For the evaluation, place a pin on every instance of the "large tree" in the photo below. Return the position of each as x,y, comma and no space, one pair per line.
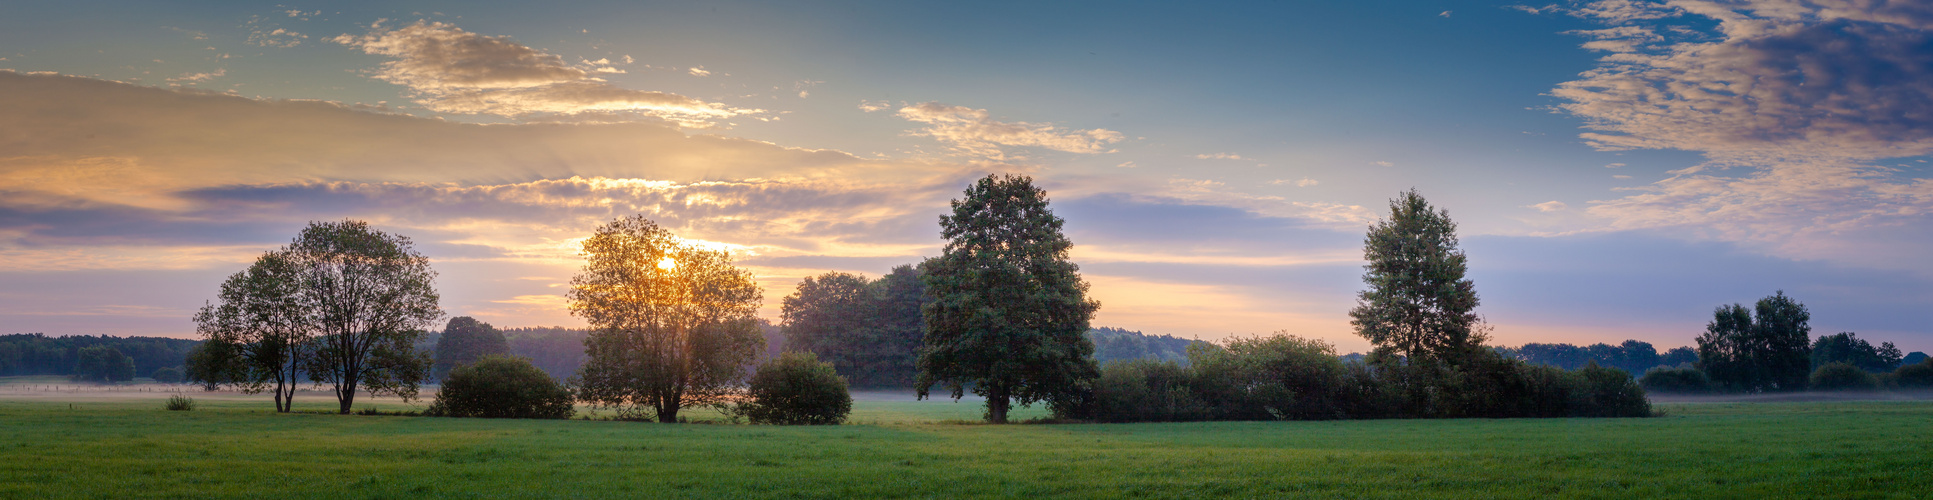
259,332
869,330
1766,352
1847,347
1007,312
466,340
1418,304
374,297
672,324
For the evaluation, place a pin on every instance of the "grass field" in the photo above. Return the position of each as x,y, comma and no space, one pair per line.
97,446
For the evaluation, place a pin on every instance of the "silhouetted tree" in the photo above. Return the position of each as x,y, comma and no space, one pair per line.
1847,347
1769,351
263,323
103,364
672,324
1007,311
373,298
464,341
1418,305
869,330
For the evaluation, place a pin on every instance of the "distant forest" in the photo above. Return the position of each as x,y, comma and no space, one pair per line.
37,354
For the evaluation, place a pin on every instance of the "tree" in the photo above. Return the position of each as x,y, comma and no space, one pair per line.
373,298
260,331
1769,351
1418,303
671,323
1847,347
869,330
464,341
1006,312
103,364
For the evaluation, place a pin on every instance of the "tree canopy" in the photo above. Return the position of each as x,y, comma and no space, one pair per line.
672,324
373,298
1769,351
869,330
261,330
1847,347
1418,305
1007,312
466,340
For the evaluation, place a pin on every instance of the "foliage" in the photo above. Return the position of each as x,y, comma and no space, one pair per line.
1632,356
1608,392
556,350
1145,390
1839,376
1007,311
1679,356
869,330
1766,352
672,324
1681,380
180,402
38,354
465,340
372,297
1115,344
1274,377
260,329
1915,376
101,363
797,389
1847,347
500,386
1418,304
167,375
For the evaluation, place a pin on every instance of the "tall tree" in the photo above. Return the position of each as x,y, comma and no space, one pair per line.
672,324
374,297
1847,347
261,329
1007,312
1769,351
466,340
1418,303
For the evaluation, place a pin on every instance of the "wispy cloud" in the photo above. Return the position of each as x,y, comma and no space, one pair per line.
455,71
1219,156
975,132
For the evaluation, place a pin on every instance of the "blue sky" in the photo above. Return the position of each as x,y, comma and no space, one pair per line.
1618,167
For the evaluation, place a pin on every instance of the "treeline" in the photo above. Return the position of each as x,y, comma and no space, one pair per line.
1115,344
1769,348
38,354
1633,356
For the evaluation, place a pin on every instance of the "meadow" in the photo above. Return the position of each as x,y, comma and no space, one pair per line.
118,445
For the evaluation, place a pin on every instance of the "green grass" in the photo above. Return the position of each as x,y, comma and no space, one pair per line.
235,448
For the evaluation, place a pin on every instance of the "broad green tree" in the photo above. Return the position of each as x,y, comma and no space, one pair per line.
672,324
373,297
1769,351
1007,312
466,340
261,329
1418,305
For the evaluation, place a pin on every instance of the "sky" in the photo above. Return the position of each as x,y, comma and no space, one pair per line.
1617,168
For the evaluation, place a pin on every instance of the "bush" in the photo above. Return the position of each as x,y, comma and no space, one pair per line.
796,388
501,387
1145,390
1915,376
167,375
1608,392
180,402
1267,378
1682,380
1843,377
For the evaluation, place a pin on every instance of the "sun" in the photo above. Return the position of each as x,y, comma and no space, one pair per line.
667,264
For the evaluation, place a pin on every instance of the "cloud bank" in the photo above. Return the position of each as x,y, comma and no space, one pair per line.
974,132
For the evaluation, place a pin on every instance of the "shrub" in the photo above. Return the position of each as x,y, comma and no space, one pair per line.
501,387
1265,378
1142,390
167,375
1682,380
1608,392
796,388
1915,376
180,402
1843,377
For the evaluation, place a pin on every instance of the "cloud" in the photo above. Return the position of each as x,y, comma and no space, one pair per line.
1804,98
456,71
975,132
1382,164
871,106
1219,156
1304,182
698,71
1549,206
199,77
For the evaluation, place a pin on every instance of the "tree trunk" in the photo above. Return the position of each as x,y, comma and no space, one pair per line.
346,393
668,414
997,405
